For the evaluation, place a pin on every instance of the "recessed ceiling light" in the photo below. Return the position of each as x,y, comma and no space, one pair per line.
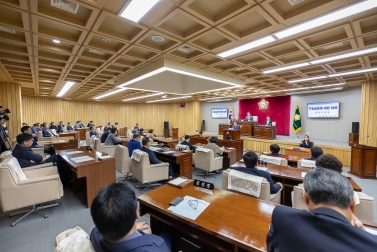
333,45
308,79
135,10
345,55
110,93
65,5
247,46
158,38
57,41
141,97
175,98
186,49
106,39
316,91
285,68
96,51
7,29
65,88
354,72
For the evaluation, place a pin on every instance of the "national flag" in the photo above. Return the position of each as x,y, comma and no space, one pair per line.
297,120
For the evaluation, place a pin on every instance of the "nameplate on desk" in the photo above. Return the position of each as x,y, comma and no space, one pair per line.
204,184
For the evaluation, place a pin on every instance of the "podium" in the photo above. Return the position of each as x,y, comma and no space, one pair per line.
174,133
234,134
363,161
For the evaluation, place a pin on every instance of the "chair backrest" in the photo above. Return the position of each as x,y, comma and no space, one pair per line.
98,130
306,163
97,144
39,136
182,146
10,170
274,160
255,118
273,123
5,155
204,159
92,139
53,131
87,138
64,129
265,187
122,159
14,143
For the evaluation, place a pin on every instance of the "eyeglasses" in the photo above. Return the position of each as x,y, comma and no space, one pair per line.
193,204
262,162
104,154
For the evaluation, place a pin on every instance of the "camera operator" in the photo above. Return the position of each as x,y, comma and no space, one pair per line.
3,134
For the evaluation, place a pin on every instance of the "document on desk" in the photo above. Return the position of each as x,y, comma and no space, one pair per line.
154,148
82,159
190,207
73,152
372,231
303,174
262,168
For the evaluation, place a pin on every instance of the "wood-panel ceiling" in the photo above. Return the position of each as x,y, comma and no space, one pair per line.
29,56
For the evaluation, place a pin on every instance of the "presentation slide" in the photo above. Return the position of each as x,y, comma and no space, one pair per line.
219,113
323,110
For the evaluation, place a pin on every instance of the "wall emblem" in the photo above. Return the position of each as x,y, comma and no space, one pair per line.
263,104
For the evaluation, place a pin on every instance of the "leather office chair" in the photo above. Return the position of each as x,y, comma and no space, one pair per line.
312,162
54,131
41,138
147,173
28,187
64,129
87,138
74,239
364,210
207,161
283,161
102,148
265,193
40,151
122,160
99,131
273,123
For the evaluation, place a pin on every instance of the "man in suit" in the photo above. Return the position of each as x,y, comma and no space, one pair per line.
152,157
26,157
275,149
27,130
115,215
39,128
329,161
251,159
107,127
315,152
53,126
111,139
60,127
3,133
328,225
135,130
78,125
134,144
236,126
248,117
90,124
69,127
217,151
268,121
46,132
105,135
187,142
93,132
34,130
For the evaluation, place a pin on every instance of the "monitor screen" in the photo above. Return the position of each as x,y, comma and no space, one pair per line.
219,113
323,110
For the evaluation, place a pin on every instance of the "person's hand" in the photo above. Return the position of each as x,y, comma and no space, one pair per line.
32,161
357,223
141,226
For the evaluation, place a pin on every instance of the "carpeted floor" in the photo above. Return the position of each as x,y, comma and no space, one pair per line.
35,234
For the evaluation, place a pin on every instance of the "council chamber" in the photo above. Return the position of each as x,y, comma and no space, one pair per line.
188,125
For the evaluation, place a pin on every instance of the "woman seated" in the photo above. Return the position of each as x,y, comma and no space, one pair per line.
306,143
151,136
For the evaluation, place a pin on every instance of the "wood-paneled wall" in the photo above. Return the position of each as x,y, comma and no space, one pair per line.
368,118
10,97
261,145
149,115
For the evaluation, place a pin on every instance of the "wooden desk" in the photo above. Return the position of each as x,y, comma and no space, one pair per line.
82,132
247,127
181,161
223,126
194,140
265,132
229,158
65,145
167,142
73,133
122,131
232,222
237,144
303,153
95,173
291,177
234,134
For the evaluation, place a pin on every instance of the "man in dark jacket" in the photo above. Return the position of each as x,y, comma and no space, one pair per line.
105,135
114,212
187,142
134,144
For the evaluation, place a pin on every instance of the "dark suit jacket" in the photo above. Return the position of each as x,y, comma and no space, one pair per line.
304,145
60,128
46,133
33,131
104,136
24,155
53,127
69,127
321,229
192,147
93,133
269,123
236,127
152,157
274,188
146,242
133,145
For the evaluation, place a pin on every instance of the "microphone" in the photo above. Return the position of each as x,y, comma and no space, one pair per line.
361,139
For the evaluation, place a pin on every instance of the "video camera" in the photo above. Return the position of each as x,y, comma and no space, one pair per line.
4,112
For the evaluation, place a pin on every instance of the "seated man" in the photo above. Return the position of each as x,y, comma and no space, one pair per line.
115,214
60,127
116,125
201,134
90,124
34,130
251,159
135,130
27,130
217,151
315,152
78,125
46,132
275,149
111,139
53,126
134,144
105,135
69,126
330,162
152,157
93,131
329,223
142,133
39,128
187,142
26,157
107,127
236,126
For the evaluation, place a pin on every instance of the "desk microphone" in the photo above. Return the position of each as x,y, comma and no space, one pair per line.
361,139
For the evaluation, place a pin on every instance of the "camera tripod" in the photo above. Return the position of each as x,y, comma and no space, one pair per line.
4,141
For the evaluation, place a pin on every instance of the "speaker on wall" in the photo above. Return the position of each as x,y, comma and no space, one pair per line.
355,127
203,122
166,125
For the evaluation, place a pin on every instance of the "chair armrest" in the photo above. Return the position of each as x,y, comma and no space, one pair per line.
42,172
218,158
38,180
159,165
38,166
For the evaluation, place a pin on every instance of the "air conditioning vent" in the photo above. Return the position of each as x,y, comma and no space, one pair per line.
293,2
65,5
186,49
158,38
7,29
333,45
96,51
